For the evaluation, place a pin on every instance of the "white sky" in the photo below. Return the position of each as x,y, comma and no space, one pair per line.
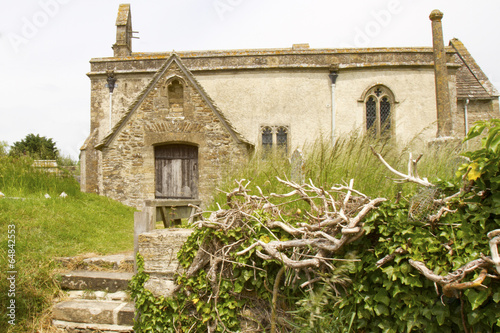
45,45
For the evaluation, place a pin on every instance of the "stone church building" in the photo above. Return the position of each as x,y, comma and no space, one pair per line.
163,125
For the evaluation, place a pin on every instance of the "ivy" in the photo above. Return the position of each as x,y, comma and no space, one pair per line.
358,294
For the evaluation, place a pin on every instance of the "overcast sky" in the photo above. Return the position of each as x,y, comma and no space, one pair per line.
46,45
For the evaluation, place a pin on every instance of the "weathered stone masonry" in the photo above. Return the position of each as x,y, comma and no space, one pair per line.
128,156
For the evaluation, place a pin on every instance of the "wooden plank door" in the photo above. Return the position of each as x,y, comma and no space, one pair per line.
176,171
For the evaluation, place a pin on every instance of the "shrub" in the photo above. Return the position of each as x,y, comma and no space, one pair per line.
35,146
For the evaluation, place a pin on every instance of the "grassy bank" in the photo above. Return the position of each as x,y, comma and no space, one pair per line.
48,228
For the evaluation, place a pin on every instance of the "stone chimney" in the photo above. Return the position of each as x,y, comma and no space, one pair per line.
123,45
444,119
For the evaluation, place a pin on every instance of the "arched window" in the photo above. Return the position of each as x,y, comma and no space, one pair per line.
379,109
175,94
274,138
267,138
282,138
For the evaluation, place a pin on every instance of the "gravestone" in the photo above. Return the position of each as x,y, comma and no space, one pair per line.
297,162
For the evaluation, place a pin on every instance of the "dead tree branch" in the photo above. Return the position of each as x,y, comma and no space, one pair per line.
452,281
412,175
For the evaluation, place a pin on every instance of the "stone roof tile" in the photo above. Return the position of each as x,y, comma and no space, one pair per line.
471,80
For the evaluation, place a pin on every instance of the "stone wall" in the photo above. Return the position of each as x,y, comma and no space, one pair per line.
89,164
128,163
413,89
126,90
476,110
254,88
159,250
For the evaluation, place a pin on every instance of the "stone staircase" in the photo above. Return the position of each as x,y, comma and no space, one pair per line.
95,297
95,287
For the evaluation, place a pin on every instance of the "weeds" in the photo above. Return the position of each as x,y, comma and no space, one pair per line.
18,178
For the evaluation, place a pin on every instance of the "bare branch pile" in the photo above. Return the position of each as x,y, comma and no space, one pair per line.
334,218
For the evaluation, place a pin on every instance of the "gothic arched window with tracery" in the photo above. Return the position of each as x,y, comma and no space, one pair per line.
379,111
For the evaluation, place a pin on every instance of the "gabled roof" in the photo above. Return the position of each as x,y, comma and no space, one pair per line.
150,86
471,81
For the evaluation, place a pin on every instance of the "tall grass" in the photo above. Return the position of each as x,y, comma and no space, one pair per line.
19,178
349,158
49,228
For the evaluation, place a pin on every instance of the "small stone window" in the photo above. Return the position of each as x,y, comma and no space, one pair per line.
267,138
379,108
282,138
274,138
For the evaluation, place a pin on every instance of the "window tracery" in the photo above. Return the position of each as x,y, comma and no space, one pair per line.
274,138
379,110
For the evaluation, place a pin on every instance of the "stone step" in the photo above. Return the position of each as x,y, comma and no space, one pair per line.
69,327
95,280
94,312
124,261
96,295
118,262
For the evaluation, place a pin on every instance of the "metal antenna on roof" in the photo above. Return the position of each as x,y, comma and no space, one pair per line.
135,32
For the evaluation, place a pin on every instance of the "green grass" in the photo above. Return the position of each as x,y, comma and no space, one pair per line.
49,228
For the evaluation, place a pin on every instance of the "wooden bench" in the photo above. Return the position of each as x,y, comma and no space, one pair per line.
171,211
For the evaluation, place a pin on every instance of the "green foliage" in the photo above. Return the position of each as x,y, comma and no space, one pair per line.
315,313
49,228
349,158
396,297
192,309
66,160
357,296
36,146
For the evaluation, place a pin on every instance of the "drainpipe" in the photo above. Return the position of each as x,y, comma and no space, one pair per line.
466,121
111,86
333,77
